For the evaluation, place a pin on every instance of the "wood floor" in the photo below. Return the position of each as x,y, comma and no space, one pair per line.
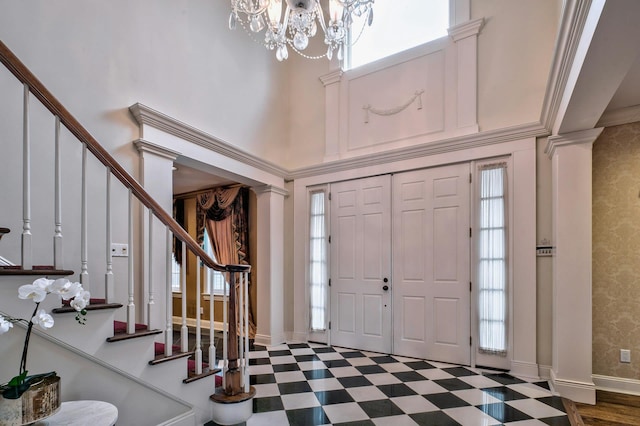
611,409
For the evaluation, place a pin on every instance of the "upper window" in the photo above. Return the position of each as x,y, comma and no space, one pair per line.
397,25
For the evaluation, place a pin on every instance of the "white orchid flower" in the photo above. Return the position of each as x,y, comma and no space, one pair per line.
4,325
43,283
65,288
43,319
81,300
30,291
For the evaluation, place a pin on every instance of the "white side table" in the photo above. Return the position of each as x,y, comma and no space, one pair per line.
82,413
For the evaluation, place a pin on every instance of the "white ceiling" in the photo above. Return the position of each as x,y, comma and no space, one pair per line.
187,179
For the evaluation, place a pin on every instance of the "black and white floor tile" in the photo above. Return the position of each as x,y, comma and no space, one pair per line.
313,384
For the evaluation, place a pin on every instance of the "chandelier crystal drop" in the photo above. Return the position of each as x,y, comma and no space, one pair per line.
299,23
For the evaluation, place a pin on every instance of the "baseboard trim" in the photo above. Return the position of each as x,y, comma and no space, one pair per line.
574,390
544,371
298,336
617,384
524,369
263,340
204,324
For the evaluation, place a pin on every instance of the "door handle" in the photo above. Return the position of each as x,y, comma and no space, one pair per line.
385,287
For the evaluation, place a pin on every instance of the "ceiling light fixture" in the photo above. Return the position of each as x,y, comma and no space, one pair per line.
298,24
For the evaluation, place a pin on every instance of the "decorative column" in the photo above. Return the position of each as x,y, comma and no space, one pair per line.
465,37
571,212
331,84
270,265
156,175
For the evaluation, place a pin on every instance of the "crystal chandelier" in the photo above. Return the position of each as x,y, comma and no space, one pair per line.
298,23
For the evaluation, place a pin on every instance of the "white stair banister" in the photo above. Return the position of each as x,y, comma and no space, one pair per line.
84,249
108,276
131,307
27,255
57,231
212,346
168,332
245,280
198,353
184,330
151,302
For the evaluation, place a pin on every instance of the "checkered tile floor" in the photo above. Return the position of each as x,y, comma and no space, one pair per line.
313,384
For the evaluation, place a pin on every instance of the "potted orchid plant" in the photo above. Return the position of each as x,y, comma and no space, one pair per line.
72,292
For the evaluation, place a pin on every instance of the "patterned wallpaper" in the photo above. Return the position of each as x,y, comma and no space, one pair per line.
616,251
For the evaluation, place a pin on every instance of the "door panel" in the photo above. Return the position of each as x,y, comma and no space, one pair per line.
431,257
360,261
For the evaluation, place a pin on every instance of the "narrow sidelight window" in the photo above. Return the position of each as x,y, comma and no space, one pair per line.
318,261
492,267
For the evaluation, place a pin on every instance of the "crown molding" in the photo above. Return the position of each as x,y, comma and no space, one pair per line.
574,138
574,18
620,116
148,116
430,148
146,146
145,115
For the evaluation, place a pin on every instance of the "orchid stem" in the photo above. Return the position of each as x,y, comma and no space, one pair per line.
23,360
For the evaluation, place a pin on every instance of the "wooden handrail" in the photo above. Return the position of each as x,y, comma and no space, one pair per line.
22,73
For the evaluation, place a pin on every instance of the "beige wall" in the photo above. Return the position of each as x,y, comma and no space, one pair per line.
515,49
616,247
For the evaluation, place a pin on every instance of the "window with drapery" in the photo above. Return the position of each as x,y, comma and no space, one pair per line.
223,213
492,259
318,261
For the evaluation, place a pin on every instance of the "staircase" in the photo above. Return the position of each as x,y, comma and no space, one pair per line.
64,197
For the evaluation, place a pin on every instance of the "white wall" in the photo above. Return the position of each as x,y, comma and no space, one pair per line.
178,57
515,50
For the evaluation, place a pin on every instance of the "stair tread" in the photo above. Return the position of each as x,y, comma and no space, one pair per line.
159,359
141,333
35,270
192,376
90,307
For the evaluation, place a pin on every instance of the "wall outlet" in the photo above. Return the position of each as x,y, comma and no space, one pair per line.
119,250
625,355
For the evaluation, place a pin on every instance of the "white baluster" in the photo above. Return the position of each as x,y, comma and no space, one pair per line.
151,303
108,276
84,252
27,256
184,330
198,353
57,232
239,341
131,307
168,333
225,331
212,346
246,336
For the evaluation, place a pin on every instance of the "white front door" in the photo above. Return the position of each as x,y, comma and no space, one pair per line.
431,254
361,264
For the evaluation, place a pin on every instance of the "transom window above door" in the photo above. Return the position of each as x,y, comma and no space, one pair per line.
397,25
